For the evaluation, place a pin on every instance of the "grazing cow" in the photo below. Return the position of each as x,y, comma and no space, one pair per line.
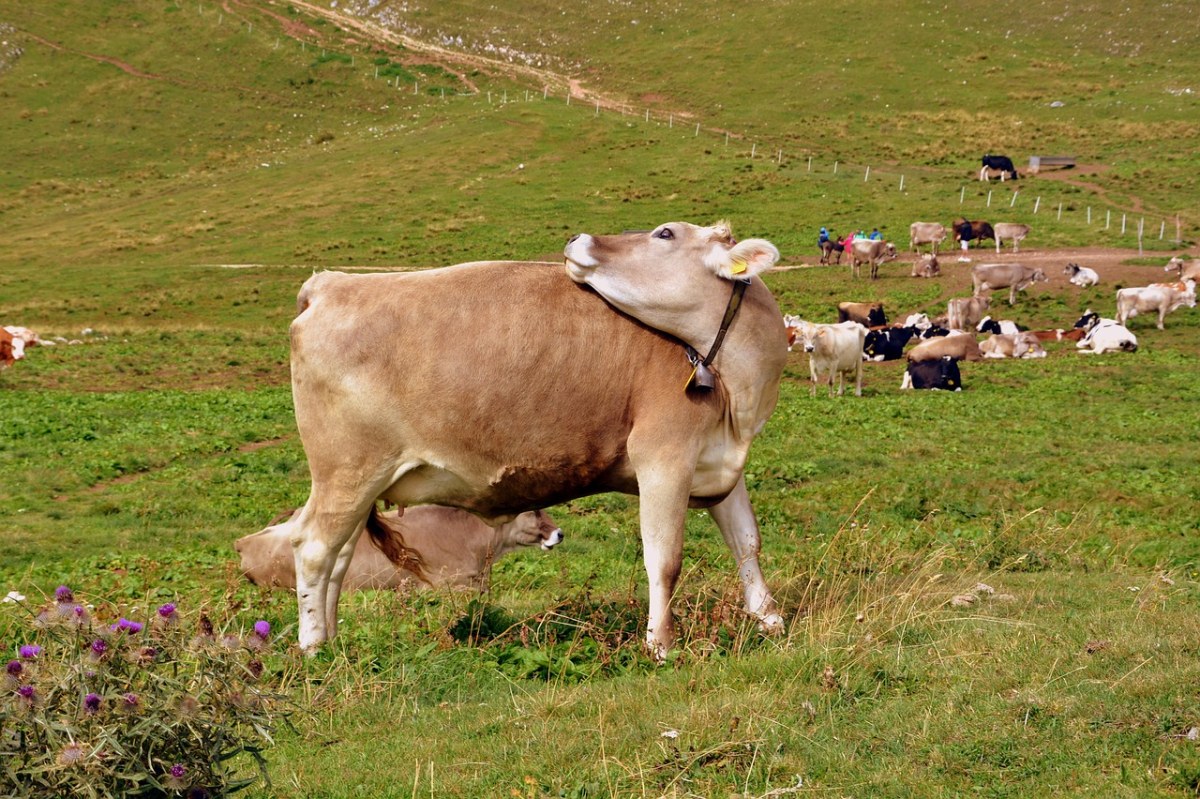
867,314
7,352
1014,277
931,233
1010,231
1106,335
958,345
998,326
454,548
828,248
966,231
926,267
940,374
874,252
1012,345
1081,276
1186,272
963,313
1148,299
1000,163
582,385
887,344
834,351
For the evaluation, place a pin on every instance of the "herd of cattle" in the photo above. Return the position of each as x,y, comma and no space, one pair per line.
836,351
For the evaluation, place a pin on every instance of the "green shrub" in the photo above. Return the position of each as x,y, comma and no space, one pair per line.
99,705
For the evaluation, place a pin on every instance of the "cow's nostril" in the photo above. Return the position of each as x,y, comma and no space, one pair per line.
573,238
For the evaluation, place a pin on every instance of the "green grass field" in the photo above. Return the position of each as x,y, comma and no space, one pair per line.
258,135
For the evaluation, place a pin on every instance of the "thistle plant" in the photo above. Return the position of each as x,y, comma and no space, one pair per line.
93,706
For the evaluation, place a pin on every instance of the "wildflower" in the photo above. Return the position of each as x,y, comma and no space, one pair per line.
99,648
255,667
30,651
91,704
64,594
145,656
262,628
130,703
126,626
15,668
76,615
71,754
14,596
175,778
166,612
27,693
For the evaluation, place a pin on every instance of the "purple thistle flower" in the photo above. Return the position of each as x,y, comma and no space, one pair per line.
91,703
78,610
25,692
99,647
127,626
178,770
167,611
262,629
30,651
132,701
64,594
15,668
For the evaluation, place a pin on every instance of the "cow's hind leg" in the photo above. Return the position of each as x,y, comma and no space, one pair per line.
323,530
735,518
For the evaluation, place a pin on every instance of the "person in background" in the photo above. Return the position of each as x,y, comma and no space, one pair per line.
822,237
875,234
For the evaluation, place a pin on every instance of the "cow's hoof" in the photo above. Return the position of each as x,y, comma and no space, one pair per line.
657,650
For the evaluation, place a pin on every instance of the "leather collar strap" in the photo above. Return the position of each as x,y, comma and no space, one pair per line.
702,377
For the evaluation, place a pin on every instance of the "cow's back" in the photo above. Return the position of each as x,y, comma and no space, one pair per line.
492,386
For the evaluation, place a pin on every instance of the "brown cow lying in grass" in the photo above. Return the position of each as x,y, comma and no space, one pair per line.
455,548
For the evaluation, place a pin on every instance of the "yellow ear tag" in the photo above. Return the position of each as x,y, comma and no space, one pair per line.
738,267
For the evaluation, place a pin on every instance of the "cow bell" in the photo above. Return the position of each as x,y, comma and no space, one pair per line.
702,378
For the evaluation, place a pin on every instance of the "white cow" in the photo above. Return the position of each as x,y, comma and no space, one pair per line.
1149,299
1081,276
1190,271
1107,335
932,233
834,350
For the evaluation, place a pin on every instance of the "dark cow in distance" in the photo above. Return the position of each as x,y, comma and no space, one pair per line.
999,163
973,230
597,396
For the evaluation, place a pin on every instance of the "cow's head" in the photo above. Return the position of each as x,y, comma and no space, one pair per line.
531,528
988,325
677,278
1174,265
876,317
1088,320
1038,276
806,335
1071,269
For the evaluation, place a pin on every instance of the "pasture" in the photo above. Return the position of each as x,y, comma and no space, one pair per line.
992,592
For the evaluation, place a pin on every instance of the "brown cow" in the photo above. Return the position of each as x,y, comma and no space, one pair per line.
867,314
455,549
960,346
963,313
564,397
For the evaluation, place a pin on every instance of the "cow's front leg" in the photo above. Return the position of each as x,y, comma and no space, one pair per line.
663,512
735,517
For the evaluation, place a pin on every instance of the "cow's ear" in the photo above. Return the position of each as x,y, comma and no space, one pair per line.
747,258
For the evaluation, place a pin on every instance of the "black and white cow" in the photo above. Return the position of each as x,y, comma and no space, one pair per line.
1000,163
940,374
887,344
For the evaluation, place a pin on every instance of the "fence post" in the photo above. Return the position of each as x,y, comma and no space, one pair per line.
1036,204
1122,224
867,174
697,133
810,163
726,138
1060,211
1014,199
1162,230
597,108
753,148
1089,214
1178,231
962,192
989,200
1107,219
902,183
835,163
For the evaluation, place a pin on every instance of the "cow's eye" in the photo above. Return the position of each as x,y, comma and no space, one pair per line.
665,233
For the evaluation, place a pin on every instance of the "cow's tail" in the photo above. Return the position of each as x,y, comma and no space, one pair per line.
390,542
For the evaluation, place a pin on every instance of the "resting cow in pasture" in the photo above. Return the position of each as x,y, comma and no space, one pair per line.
1012,345
607,378
870,251
997,163
1014,277
1189,271
1151,299
931,233
1081,276
940,374
998,326
966,231
963,313
834,351
452,548
867,314
888,344
1105,335
1010,231
927,266
958,345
